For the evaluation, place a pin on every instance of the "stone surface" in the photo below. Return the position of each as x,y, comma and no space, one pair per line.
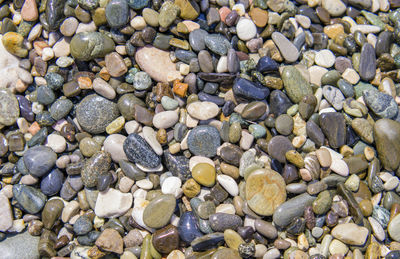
12,247
287,49
157,64
350,233
265,191
29,198
295,84
6,216
111,241
89,45
158,212
139,151
204,141
386,134
39,160
112,203
94,113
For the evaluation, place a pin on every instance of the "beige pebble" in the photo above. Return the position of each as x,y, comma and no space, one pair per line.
340,167
138,23
351,75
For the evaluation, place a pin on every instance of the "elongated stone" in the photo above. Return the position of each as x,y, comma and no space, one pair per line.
86,46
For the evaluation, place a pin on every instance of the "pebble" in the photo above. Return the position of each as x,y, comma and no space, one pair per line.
158,212
89,45
6,219
287,49
9,111
264,199
112,203
295,84
246,29
350,233
325,58
165,120
157,64
139,151
204,141
39,160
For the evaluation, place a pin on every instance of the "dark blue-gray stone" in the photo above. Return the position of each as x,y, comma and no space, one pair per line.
60,108
45,95
29,198
25,108
185,55
177,165
39,160
204,97
367,62
89,239
94,113
55,13
117,13
139,151
217,44
131,170
333,126
233,61
51,184
279,102
381,104
83,225
204,141
197,39
138,4
207,242
188,227
221,221
249,90
38,138
266,64
394,254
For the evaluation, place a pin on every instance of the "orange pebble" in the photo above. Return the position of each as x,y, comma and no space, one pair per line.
34,128
84,82
179,88
223,12
104,74
39,46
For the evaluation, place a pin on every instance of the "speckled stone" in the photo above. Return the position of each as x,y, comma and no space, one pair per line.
29,198
97,165
295,84
9,109
89,45
204,141
94,113
139,151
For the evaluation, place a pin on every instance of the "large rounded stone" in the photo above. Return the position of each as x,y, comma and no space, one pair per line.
39,160
86,46
159,211
94,113
204,141
387,139
265,191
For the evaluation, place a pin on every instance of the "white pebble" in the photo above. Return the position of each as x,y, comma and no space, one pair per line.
56,142
325,58
145,184
246,29
229,184
340,167
47,54
171,185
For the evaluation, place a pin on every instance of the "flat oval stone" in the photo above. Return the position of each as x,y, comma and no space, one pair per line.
29,198
157,64
51,184
197,39
287,48
334,127
165,120
387,140
94,113
221,221
265,191
292,208
394,228
9,109
117,13
39,160
204,141
86,46
188,227
139,151
266,64
60,108
350,233
367,66
266,229
159,211
203,110
217,44
295,84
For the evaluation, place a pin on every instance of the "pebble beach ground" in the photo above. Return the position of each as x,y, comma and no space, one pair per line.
199,129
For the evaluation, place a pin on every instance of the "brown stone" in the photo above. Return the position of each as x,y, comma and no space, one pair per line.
110,241
29,11
115,64
166,239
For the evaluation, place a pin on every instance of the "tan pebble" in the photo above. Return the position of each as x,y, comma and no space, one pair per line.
324,157
305,174
176,254
369,153
175,148
340,167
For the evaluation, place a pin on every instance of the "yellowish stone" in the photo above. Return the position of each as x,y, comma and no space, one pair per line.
265,191
191,188
116,125
232,239
12,42
295,158
204,174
